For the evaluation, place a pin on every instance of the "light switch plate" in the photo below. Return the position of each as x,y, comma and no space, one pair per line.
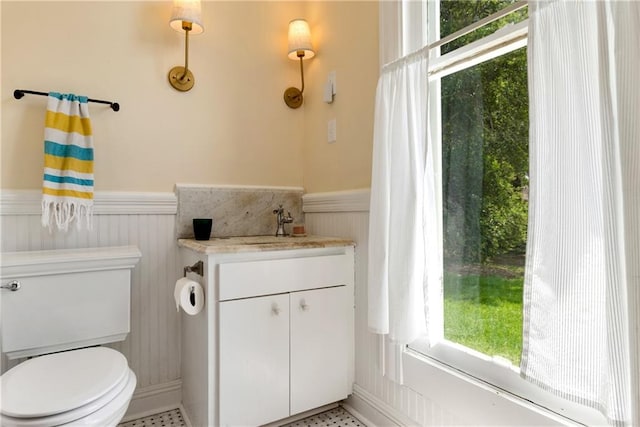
328,93
331,131
332,79
329,88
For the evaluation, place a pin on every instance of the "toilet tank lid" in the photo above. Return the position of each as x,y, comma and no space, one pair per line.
59,261
60,382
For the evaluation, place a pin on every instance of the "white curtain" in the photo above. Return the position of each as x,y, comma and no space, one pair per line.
582,275
396,228
402,181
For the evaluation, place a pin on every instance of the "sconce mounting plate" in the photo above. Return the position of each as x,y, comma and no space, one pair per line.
293,97
182,84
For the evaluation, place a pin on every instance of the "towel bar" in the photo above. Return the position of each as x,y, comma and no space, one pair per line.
19,93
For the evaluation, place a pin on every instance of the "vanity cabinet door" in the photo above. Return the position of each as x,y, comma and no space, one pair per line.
254,360
319,347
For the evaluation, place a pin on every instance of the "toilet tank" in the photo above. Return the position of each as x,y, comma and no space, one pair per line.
68,298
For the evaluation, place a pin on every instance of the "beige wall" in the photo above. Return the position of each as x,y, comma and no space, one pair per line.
232,128
347,37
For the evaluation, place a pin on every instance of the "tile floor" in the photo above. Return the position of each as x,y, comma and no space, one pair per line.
336,417
172,418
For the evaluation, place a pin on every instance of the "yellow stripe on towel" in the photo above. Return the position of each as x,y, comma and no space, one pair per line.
67,123
67,193
68,163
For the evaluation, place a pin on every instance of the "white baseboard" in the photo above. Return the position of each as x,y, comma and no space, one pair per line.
363,420
154,399
375,411
185,416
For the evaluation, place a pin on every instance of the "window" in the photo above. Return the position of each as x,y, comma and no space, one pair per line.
456,15
479,88
484,180
479,118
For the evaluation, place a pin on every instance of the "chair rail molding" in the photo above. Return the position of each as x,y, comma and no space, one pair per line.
337,201
29,202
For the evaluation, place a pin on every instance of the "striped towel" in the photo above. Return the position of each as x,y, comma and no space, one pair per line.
67,189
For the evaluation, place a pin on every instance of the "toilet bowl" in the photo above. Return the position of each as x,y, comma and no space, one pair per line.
57,310
90,387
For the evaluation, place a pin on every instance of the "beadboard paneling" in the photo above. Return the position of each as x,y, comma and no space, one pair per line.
399,403
146,220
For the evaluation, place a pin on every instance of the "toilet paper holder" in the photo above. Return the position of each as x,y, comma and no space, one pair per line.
197,268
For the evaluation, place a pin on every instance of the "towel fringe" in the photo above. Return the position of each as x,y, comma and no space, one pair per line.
63,213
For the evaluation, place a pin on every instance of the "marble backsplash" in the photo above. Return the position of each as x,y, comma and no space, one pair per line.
236,211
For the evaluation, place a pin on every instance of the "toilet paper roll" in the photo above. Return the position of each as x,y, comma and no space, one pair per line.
189,295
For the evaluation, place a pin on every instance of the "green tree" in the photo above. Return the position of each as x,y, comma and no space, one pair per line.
485,144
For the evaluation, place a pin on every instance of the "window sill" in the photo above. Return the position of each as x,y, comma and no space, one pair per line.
482,403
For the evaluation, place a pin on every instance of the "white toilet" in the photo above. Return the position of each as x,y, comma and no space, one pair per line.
68,304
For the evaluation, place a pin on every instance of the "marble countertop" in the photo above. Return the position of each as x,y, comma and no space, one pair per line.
261,243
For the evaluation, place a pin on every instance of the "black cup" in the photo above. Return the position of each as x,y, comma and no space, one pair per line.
202,228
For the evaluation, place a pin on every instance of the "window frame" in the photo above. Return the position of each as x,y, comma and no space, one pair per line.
481,370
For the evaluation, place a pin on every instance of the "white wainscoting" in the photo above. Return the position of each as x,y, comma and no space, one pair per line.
146,220
346,214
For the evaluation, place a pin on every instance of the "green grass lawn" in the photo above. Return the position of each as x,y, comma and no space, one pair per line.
484,313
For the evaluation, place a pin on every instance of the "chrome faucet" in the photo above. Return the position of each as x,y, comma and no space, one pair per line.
282,220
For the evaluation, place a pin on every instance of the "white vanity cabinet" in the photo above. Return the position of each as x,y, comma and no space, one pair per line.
282,354
254,360
277,334
318,344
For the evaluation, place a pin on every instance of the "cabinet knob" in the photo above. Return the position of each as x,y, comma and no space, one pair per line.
275,310
303,305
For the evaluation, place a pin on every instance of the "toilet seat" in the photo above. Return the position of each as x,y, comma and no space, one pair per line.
64,387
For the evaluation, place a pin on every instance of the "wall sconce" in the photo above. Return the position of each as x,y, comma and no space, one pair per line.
299,48
185,17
